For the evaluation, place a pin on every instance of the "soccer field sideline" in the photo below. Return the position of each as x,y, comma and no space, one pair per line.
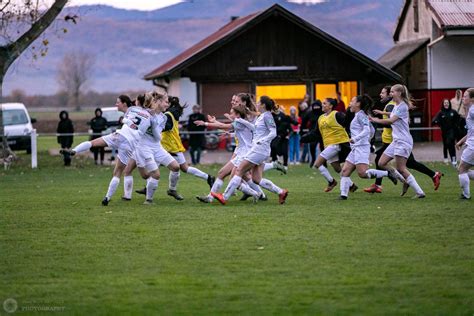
372,254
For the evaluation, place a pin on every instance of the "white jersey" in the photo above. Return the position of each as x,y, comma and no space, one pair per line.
134,122
265,132
153,127
361,130
470,128
400,128
244,133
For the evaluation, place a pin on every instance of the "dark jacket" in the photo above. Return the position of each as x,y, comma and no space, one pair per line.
196,140
283,124
448,120
98,124
65,126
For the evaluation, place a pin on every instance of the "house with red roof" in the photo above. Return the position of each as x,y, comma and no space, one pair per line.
271,52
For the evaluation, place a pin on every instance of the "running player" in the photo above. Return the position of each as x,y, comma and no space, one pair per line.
123,140
467,158
335,139
402,144
361,133
435,176
265,131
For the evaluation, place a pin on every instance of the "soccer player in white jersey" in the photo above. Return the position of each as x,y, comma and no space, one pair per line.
244,133
123,140
265,131
149,153
361,134
467,158
402,143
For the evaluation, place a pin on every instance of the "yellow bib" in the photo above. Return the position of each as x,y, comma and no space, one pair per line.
170,140
331,131
387,132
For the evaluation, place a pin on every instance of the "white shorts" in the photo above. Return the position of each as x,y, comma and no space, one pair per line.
359,155
468,156
237,160
151,158
398,148
179,157
121,144
255,157
331,153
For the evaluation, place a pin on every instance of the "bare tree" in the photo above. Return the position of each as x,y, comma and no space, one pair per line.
21,23
74,72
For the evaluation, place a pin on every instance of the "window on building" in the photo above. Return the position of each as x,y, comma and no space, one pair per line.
325,90
348,90
284,95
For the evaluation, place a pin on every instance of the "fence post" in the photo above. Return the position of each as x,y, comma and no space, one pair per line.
34,151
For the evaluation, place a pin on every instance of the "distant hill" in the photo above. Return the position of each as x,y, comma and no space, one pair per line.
130,43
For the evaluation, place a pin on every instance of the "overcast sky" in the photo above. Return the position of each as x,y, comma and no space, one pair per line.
126,4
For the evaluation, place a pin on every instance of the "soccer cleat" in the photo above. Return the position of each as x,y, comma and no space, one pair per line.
342,198
392,176
418,196
331,186
353,187
175,194
210,180
404,189
148,202
204,199
105,201
280,167
263,197
142,191
69,152
374,189
437,180
282,196
125,198
255,199
219,197
463,197
245,196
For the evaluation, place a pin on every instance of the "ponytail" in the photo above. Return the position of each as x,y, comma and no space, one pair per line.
365,102
405,95
125,99
270,105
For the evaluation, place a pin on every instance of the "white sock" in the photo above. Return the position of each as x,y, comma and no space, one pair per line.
412,182
373,173
470,174
245,188
82,147
127,187
232,186
464,182
198,173
112,187
173,180
270,186
256,188
325,173
345,185
151,186
268,166
216,188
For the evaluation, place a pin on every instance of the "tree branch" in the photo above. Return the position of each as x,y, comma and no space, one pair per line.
35,30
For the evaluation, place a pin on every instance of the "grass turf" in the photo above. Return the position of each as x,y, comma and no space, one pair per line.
371,254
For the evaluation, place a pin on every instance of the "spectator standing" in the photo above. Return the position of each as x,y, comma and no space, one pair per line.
303,109
295,136
448,120
65,126
196,140
341,106
98,125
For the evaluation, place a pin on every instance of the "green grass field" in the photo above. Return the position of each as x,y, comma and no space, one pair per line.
373,254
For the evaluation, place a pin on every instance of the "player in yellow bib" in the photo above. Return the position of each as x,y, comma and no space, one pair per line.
336,142
171,142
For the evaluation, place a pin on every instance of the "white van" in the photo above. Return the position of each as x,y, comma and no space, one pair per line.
17,126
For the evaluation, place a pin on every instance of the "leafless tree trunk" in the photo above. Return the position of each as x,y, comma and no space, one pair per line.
27,13
74,72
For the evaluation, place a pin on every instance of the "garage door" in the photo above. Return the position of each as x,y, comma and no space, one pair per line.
215,97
